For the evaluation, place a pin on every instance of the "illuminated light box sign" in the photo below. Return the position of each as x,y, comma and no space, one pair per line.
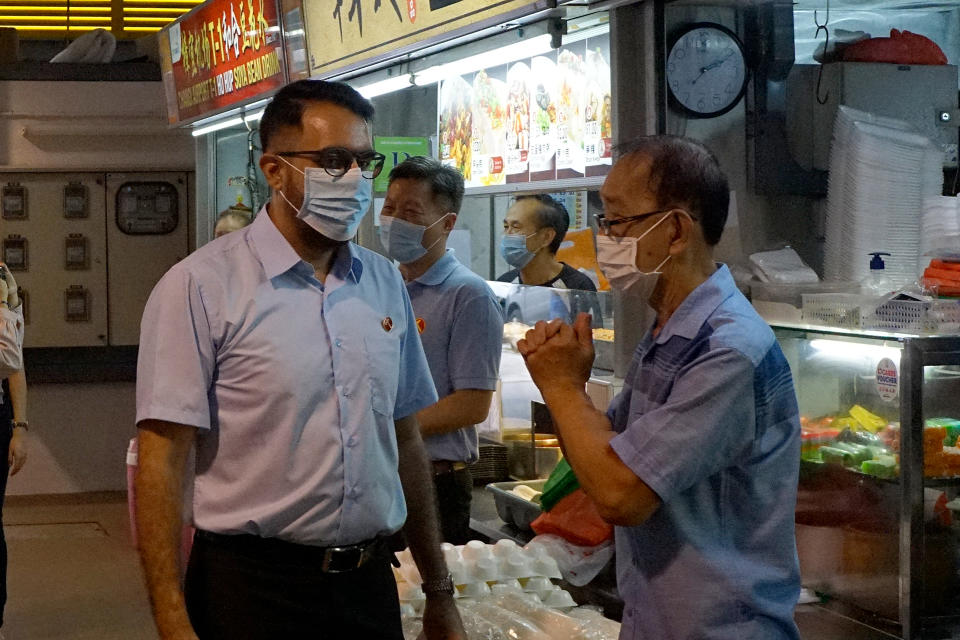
544,118
221,54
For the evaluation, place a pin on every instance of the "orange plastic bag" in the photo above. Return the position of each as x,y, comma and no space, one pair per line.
576,520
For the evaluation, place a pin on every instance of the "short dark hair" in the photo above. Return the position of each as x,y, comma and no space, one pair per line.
445,182
685,173
550,213
286,108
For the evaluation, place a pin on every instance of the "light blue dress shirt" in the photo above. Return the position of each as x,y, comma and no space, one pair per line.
294,385
708,419
462,337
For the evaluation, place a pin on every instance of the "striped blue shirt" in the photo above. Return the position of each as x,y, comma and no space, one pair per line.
708,419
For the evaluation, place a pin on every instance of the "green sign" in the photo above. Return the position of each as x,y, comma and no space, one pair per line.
397,150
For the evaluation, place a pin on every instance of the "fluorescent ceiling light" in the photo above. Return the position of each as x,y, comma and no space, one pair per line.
587,32
535,46
855,351
385,86
254,117
223,124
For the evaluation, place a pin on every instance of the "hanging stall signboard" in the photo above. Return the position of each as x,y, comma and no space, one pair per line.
539,119
343,34
221,54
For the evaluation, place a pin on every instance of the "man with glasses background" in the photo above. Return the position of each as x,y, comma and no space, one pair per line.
290,358
696,461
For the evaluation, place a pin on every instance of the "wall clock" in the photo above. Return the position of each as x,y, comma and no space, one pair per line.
706,70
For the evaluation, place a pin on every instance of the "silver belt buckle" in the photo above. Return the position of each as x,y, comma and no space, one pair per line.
337,560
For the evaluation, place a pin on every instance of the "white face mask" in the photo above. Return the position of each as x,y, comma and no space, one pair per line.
618,261
333,206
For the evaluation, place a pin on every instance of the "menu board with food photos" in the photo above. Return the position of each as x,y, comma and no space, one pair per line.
544,118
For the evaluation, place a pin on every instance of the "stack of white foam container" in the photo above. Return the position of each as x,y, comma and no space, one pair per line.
503,590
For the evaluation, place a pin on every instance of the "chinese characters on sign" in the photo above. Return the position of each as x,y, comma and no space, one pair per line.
356,10
344,34
224,53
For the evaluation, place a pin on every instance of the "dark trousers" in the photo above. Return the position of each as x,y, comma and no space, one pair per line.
279,592
453,502
6,431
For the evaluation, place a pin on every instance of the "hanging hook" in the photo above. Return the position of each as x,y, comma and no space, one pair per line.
826,46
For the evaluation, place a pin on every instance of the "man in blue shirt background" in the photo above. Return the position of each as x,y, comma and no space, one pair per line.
460,323
696,461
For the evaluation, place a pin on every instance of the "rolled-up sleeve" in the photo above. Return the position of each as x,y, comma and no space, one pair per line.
707,423
415,389
11,341
177,356
473,358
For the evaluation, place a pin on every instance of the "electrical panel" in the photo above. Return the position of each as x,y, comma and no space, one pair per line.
58,253
89,248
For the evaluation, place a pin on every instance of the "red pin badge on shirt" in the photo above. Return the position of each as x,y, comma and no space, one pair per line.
421,325
387,324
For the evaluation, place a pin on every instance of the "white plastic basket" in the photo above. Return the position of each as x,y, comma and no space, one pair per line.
927,316
833,309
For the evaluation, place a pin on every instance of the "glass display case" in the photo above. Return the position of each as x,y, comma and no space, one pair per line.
532,446
877,536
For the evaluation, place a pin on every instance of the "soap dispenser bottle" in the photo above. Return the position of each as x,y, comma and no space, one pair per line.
877,283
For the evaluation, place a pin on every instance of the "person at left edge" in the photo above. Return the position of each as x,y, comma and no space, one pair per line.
460,322
290,357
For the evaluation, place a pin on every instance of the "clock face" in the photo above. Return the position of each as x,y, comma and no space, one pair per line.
706,70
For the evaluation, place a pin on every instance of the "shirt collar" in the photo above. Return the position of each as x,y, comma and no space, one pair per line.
277,256
694,311
439,270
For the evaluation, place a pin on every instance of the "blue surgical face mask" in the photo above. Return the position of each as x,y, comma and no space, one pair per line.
333,206
404,240
514,250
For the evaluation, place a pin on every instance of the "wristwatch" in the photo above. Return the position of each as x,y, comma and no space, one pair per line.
22,424
439,585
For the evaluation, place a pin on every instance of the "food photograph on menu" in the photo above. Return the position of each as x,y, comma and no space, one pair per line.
456,125
598,111
570,111
518,123
489,128
543,118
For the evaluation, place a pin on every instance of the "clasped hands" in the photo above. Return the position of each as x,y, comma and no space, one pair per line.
559,356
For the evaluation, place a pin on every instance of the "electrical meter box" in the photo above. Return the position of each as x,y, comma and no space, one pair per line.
75,200
917,94
14,201
148,232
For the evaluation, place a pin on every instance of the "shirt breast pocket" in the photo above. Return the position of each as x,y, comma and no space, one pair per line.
383,368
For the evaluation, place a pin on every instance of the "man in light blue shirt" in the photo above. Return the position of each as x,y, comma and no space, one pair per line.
696,461
290,358
460,323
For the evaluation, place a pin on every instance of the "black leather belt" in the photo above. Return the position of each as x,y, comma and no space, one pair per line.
335,559
441,467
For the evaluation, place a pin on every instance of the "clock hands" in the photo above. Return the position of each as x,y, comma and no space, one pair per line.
712,65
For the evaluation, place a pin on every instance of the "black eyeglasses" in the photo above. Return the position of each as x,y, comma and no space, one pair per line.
337,160
606,225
